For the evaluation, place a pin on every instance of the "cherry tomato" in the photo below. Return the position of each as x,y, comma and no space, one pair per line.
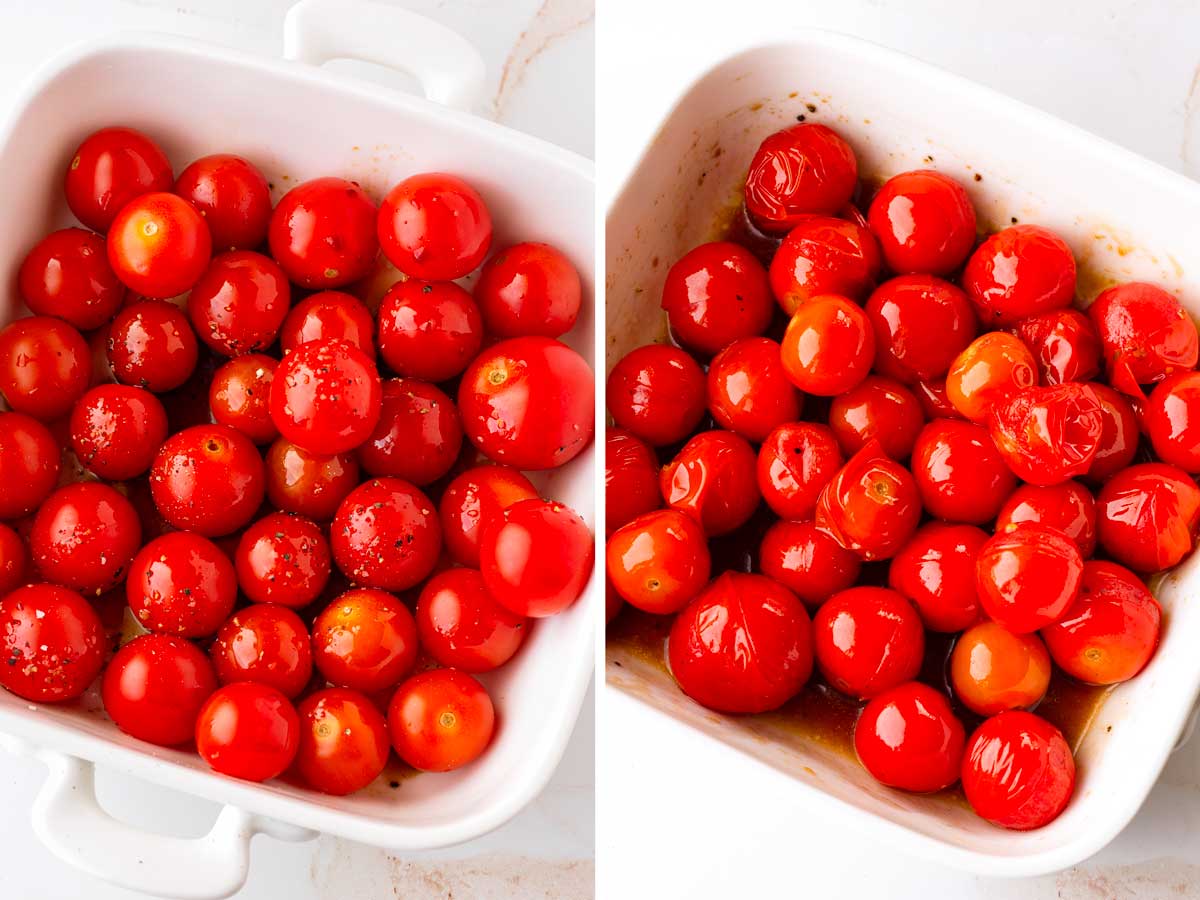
536,558
181,584
1068,507
1172,420
152,345
323,233
868,640
659,561
434,226
115,430
418,436
1119,433
386,535
110,168
1018,771
657,393
326,397
159,246
829,346
877,408
308,484
1048,435
807,562
795,463
1148,516
154,687
477,497
84,537
921,324
1064,343
44,367
714,480
283,558
935,571
934,400
529,289
1021,271
748,391
994,367
207,479
823,256
961,475
716,294
14,561
744,645
806,168
30,460
240,396
248,730
924,222
1028,577
909,738
343,741
630,479
232,195
993,669
51,643
67,275
328,315
265,643
462,626
429,330
872,506
366,640
441,720
1146,335
239,304
529,403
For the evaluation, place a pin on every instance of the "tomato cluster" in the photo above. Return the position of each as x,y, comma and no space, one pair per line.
923,436
309,496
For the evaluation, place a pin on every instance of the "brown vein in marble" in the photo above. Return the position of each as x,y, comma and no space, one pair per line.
554,20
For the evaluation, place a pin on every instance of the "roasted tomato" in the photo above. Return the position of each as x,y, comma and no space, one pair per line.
795,463
936,572
993,669
1119,434
748,390
1048,435
659,561
716,294
921,324
1148,516
713,479
657,393
806,168
924,221
872,505
1021,271
807,561
823,256
909,738
1146,335
1028,577
994,367
1069,507
877,408
1064,344
630,479
961,475
829,346
868,640
1172,420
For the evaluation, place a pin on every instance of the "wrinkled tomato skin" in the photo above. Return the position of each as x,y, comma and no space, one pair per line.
239,304
181,584
67,275
240,396
715,294
807,562
116,429
1018,771
868,640
529,289
959,472
386,535
747,389
110,168
232,195
154,687
921,324
657,393
283,558
14,561
1048,435
1172,421
52,643
1068,507
935,571
872,505
208,479
1148,516
45,366
322,233
440,720
328,315
429,330
744,645
993,669
924,222
1146,334
794,464
909,738
1028,577
365,640
30,459
797,171
877,408
418,436
630,479
159,245
152,345
309,484
714,480
84,537
659,561
343,741
248,731
823,256
995,366
460,625
829,346
434,226
265,643
1021,271
1064,344
477,497
1119,433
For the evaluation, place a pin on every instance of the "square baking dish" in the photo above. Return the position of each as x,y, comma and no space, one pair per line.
1124,217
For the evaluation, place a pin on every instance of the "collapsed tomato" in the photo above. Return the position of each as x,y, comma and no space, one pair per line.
806,168
1148,516
713,479
1146,334
1119,434
1064,343
823,256
795,463
1048,435
872,506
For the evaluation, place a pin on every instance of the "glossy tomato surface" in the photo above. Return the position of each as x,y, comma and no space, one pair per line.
460,625
248,730
1148,516
328,315
51,641
1172,420
1028,577
822,255
807,562
1146,334
322,233
1119,433
868,640
434,226
159,245
1064,344
630,479
154,687
386,535
265,643
748,391
921,324
418,435
924,222
239,304
67,275
310,484
909,738
1069,507
659,561
829,346
14,561
935,571
993,669
111,167
1048,435
994,367
441,720
343,741
44,367
152,345
232,195
181,584
871,506
365,639
240,396
326,397
30,459
529,289
715,294
283,558
116,429
794,464
877,408
208,479
1021,271
959,472
429,330
657,393
476,498
714,480
802,169
84,537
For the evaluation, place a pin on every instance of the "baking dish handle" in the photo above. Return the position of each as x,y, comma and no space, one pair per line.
72,824
450,70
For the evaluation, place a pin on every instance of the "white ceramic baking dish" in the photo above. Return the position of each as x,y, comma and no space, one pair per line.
1124,218
297,121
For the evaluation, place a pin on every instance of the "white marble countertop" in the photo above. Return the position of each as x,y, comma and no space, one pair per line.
540,61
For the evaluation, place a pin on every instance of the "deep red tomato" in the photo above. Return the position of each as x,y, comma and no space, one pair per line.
807,562
116,429
613,603
1018,771
1028,577
208,479
748,391
266,643
51,643
909,738
537,558
794,464
283,558
343,741
921,324
877,408
714,480
329,315
935,571
659,561
45,366
386,535
1148,516
529,289
181,584
1048,435
1119,432
154,687
829,346
657,393
630,479
1064,343
366,640
1146,335
1172,420
418,436
440,720
529,403
868,640
477,497
460,625
248,730
934,400
159,246
30,460
309,484
67,275
240,396
716,294
961,475
110,168
323,233
824,256
993,669
434,226
1069,507
994,367
84,537
429,330
872,506
1021,271
326,397
239,304
232,195
806,168
744,645
924,222
152,345
14,560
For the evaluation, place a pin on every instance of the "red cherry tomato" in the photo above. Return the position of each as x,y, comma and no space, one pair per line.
51,643
795,463
909,738
115,430
152,345
630,479
343,741
30,460
1021,271
67,275
461,626
924,221
159,246
529,289
657,393
934,400
1048,435
659,561
868,640
366,640
434,226
154,687
871,506
714,480
110,168
828,347
323,233
239,304
1148,516
207,479
84,537
716,294
748,391
45,366
440,720
283,558
961,475
1068,507
248,731
265,643
325,316
742,646
823,256
386,535
804,169
240,396
807,562
477,497
14,561
935,571
1146,334
994,367
877,408
429,330
993,669
308,484
1064,343
1018,771
1119,434
326,397
418,436
1172,420
181,584
1028,577
232,195
921,324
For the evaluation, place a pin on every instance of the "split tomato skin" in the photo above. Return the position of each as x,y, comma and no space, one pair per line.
715,294
994,366
714,480
797,171
322,233
111,167
1119,434
1064,343
924,221
1172,420
630,479
659,561
829,346
993,669
51,641
1146,334
807,562
67,275
1021,271
921,325
868,640
935,571
871,506
1148,516
748,392
154,687
232,195
1068,507
822,255
1048,435
959,472
1028,577
794,464
657,393
441,720
909,738
434,226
